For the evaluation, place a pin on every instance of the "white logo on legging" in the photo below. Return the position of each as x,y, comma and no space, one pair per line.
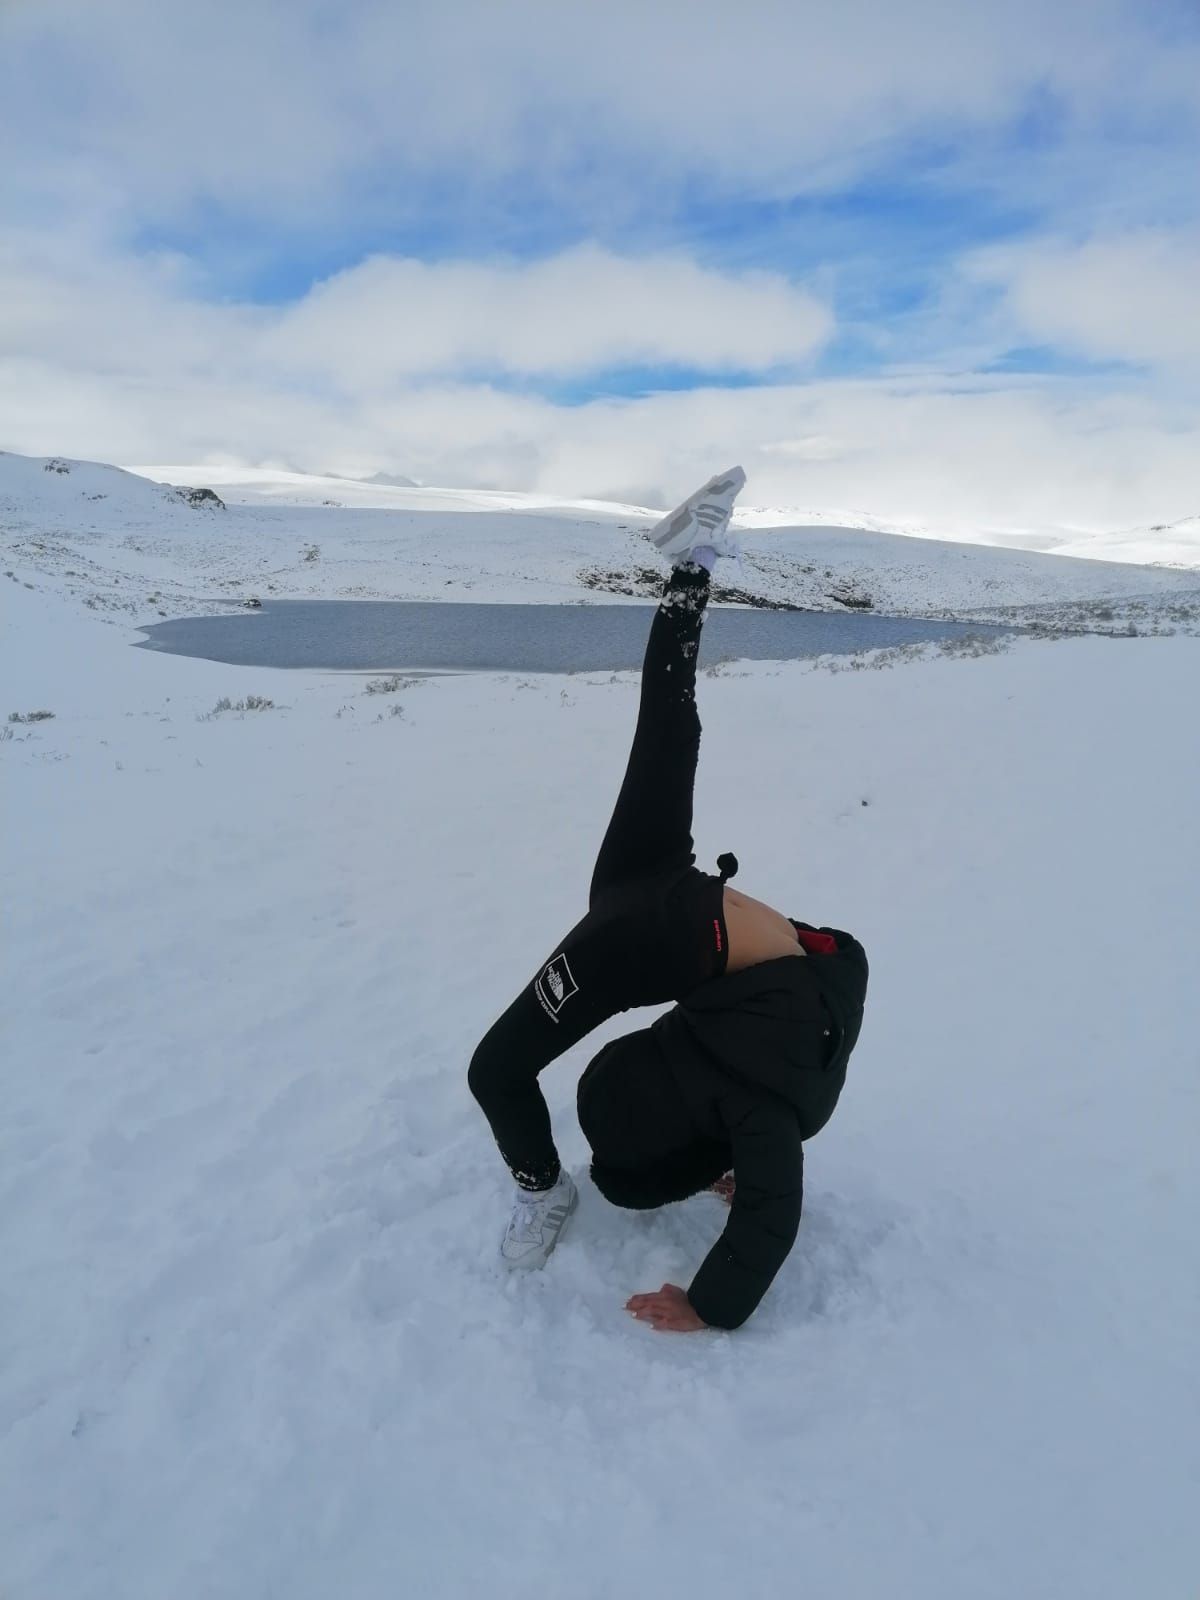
555,985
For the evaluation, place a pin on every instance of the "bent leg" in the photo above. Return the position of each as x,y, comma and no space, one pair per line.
584,983
651,826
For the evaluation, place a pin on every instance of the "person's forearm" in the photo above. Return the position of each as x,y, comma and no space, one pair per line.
725,1291
741,1266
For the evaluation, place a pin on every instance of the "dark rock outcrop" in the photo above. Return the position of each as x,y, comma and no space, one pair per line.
201,499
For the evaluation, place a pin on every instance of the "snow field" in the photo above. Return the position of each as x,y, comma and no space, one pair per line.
254,1339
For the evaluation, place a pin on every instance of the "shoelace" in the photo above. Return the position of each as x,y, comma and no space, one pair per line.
527,1218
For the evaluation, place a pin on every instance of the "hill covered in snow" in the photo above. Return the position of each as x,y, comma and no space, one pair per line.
121,543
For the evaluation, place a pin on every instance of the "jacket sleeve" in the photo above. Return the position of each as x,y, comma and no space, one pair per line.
768,1165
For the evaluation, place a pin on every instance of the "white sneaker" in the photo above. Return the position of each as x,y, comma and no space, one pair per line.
537,1220
703,518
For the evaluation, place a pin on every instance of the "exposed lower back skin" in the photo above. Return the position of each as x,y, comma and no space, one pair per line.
756,932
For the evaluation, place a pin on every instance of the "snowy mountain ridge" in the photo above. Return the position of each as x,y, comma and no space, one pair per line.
121,543
1173,544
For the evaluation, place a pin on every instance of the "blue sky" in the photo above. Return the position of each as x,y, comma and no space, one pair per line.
594,244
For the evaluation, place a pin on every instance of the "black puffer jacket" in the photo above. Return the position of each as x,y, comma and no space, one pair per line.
760,1058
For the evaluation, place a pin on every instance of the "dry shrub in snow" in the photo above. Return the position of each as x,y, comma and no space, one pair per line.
391,685
252,702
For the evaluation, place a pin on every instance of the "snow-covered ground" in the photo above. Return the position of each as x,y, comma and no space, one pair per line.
254,1340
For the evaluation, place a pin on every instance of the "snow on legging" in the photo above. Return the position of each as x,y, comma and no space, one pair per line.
655,927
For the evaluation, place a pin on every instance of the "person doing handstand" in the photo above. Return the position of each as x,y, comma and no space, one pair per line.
721,1091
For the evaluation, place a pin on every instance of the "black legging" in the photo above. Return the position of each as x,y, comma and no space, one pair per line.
655,927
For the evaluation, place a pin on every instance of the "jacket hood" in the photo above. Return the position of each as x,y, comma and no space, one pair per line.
787,1026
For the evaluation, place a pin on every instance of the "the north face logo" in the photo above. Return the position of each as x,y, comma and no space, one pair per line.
555,985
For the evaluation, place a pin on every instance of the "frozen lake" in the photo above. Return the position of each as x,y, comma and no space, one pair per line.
394,635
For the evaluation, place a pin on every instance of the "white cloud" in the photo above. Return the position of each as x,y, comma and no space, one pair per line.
388,319
576,312
1133,297
300,110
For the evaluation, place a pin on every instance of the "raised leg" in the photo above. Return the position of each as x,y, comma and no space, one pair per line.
651,826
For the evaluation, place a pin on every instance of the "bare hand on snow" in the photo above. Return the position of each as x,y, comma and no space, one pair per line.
668,1311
